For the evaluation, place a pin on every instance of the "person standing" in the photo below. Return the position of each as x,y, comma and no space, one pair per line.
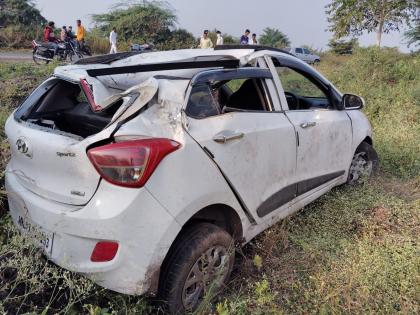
245,38
254,39
80,35
219,40
113,41
205,41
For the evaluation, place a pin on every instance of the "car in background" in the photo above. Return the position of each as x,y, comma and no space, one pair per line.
305,55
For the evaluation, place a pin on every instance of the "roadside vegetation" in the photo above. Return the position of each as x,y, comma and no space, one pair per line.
354,251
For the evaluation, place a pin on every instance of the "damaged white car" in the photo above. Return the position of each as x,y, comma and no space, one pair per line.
143,171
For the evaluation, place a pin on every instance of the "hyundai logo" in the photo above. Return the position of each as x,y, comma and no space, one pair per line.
23,147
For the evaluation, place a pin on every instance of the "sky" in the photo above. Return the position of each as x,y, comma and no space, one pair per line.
303,21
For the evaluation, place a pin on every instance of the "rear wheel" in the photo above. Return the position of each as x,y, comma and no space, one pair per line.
364,164
74,56
87,51
38,60
197,267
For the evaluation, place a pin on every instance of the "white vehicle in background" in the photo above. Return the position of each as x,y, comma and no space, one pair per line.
142,171
305,55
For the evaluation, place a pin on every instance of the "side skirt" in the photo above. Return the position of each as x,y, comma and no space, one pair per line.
290,192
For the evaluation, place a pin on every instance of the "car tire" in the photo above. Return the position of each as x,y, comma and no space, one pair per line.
317,62
199,264
364,164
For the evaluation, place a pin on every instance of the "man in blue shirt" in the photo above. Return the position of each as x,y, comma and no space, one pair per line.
244,38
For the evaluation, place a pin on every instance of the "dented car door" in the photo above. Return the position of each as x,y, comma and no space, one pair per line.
253,146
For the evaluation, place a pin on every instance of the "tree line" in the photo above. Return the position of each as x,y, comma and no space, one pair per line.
155,22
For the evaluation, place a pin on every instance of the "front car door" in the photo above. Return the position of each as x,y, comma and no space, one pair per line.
324,131
230,114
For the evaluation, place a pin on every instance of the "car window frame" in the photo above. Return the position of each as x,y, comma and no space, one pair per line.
294,63
243,73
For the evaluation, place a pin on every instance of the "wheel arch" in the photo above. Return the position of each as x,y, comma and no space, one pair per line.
218,214
368,140
221,215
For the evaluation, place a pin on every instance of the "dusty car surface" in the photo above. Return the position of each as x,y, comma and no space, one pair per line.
143,171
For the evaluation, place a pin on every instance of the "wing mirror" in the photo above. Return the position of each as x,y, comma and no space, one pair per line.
351,101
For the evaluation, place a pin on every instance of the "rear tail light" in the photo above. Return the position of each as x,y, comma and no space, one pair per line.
104,251
130,163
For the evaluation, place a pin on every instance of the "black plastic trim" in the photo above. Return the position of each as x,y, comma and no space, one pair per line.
252,47
225,75
224,63
290,192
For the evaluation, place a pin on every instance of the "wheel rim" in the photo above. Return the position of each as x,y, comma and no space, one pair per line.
361,167
208,273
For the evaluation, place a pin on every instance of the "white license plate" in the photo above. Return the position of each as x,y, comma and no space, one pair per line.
41,237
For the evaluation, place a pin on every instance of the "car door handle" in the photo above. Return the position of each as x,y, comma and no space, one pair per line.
308,124
226,136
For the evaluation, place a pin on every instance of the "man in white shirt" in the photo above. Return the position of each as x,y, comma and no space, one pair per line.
205,41
113,41
219,40
253,40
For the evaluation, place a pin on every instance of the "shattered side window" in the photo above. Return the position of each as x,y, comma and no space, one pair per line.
201,103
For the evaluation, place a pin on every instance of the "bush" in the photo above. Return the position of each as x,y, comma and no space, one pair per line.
389,82
342,47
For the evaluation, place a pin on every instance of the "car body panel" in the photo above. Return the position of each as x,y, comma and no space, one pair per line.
324,147
127,216
361,128
266,154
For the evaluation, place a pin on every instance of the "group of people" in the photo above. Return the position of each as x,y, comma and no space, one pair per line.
66,35
206,42
77,40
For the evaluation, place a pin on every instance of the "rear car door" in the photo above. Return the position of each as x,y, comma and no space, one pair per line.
230,115
324,132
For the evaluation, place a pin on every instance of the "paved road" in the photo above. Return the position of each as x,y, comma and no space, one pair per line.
20,55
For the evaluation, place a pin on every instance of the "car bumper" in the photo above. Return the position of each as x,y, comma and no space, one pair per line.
143,229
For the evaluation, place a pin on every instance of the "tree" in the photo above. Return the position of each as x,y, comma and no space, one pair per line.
20,12
342,47
413,35
146,22
274,38
353,17
20,22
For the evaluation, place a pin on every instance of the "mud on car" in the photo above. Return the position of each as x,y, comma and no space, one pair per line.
144,171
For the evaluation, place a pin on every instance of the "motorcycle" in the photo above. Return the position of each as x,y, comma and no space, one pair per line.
43,53
86,50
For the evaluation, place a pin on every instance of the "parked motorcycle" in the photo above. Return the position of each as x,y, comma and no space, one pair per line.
86,50
43,53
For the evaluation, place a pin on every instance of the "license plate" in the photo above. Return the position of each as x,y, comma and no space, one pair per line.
42,238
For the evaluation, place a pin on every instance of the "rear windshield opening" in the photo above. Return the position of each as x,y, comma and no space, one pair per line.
65,108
